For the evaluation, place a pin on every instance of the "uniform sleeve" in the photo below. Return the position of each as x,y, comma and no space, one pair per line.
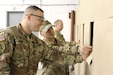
71,53
6,49
78,59
65,49
71,59
65,44
72,43
46,52
50,55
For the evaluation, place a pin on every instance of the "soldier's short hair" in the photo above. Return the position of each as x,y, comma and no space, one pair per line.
33,7
56,22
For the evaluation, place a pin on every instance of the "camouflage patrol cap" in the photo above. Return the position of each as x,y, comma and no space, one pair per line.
46,26
46,22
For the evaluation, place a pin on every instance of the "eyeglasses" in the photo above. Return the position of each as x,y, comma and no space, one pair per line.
39,17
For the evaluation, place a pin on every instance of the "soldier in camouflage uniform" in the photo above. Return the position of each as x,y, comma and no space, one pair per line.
58,26
20,50
68,57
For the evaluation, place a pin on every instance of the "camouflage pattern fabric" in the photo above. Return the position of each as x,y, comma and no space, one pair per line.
59,36
67,55
55,69
62,52
20,52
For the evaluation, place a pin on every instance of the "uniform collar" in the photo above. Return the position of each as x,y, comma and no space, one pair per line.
22,31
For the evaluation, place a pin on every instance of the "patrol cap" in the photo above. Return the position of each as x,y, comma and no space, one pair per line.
46,26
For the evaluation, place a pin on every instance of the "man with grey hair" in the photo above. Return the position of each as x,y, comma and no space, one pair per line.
58,26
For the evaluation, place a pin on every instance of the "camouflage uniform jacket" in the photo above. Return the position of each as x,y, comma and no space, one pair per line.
67,52
64,57
20,52
59,36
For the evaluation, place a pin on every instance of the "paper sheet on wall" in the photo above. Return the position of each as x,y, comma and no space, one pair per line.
89,59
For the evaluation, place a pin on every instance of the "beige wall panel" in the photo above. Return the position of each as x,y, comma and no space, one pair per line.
103,47
89,69
77,69
95,10
101,12
86,33
80,68
83,33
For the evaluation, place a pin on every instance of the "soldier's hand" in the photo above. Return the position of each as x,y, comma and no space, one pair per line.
85,51
77,41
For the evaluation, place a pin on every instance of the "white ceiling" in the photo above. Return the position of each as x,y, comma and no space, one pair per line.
60,1
43,2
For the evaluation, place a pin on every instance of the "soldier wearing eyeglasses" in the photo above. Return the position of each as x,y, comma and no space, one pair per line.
20,50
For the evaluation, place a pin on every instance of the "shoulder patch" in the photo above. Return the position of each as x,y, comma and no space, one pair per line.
2,38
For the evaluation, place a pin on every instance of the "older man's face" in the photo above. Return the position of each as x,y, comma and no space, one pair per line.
59,26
